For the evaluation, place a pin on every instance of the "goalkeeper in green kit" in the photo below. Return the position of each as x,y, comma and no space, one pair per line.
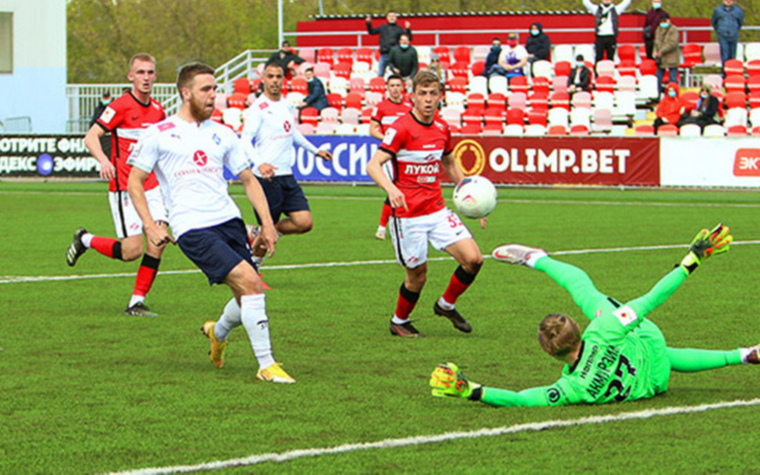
621,356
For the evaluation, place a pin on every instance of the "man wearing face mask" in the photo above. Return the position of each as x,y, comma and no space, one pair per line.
403,59
580,77
667,52
727,20
390,35
670,108
538,44
513,58
607,26
492,60
651,22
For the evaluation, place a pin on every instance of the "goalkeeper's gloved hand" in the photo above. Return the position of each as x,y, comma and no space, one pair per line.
705,244
447,380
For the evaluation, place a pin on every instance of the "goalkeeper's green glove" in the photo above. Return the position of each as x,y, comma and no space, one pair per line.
447,380
705,244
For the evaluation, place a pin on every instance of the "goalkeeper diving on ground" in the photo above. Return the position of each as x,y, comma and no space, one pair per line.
621,356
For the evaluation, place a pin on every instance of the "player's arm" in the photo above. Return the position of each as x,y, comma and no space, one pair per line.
375,171
452,168
302,141
142,159
376,129
92,142
705,244
622,6
258,200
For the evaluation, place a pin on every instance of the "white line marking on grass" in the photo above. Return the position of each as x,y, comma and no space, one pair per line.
18,279
445,437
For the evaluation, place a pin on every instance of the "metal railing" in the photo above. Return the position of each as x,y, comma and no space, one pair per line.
17,125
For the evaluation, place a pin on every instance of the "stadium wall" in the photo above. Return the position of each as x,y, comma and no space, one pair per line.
595,161
37,86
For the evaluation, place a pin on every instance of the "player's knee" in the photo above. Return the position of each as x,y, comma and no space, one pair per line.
306,225
473,264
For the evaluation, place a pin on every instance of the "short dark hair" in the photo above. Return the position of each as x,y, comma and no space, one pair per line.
579,57
286,42
496,38
274,63
665,16
394,76
188,72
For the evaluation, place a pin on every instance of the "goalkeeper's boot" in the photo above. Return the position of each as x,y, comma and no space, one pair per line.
447,380
216,347
516,253
405,330
275,374
77,248
754,356
139,310
454,317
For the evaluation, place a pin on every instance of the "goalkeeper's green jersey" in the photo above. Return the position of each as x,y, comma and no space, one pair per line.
623,356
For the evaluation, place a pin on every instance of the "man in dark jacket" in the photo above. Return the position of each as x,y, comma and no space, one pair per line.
538,44
403,59
492,60
580,77
727,20
317,97
651,22
286,58
390,34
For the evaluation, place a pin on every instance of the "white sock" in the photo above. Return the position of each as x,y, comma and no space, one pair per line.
745,352
135,300
534,256
254,316
398,321
229,320
445,305
87,239
381,228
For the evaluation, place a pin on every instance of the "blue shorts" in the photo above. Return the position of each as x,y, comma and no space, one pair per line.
284,195
218,249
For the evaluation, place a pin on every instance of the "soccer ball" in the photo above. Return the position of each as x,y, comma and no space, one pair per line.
475,197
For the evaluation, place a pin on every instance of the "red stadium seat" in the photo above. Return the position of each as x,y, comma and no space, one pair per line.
345,55
478,67
494,116
537,117
443,53
471,129
690,99
342,70
237,100
242,86
299,85
754,99
364,54
473,116
515,117
736,99
756,131
647,67
519,84
627,53
734,83
557,130
476,100
753,68
309,115
458,85
377,85
353,100
627,68
560,99
540,85
667,130
539,101
644,130
325,55
579,130
357,86
335,100
366,115
562,68
462,54
606,84
497,100
559,84
692,55
733,67
737,131
460,69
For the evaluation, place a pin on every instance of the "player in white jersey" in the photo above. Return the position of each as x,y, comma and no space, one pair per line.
188,153
268,135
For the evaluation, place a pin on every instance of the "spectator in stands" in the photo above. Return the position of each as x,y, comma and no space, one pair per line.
667,51
403,59
538,44
492,60
727,20
580,77
706,112
607,26
317,97
390,35
435,66
651,22
513,58
287,58
670,108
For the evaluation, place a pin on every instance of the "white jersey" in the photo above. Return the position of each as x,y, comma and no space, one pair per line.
271,127
189,162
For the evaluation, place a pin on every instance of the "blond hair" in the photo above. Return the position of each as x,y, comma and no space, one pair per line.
141,57
558,334
425,79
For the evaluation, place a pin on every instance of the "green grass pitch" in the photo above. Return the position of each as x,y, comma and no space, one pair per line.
84,389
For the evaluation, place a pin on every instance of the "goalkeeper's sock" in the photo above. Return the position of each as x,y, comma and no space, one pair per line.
407,300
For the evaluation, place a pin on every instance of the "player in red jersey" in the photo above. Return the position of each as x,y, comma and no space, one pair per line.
383,115
126,119
418,145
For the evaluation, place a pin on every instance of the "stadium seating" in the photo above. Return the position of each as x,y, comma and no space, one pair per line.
559,84
604,100
326,128
353,100
751,52
649,88
345,129
237,100
714,130
455,100
498,84
478,67
605,67
562,68
299,85
753,68
580,117
692,55
754,117
377,84
451,116
242,86
626,53
516,117
647,67
606,83
350,115
471,129
357,85
472,116
479,84
543,68
309,54
462,54
711,53
667,130
540,85
476,100
322,70
345,55
754,99
557,130
737,131
535,130
494,116
325,55
306,129
602,121
458,84
627,83
517,100
460,69
309,115
736,116
335,100
373,98
736,99
514,130
690,130
579,130
558,116
364,54
497,100
563,53
519,84
644,130
733,67
539,101
537,118
586,50
581,99
329,114
627,69
560,99
444,53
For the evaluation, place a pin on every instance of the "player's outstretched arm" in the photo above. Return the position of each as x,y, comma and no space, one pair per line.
258,200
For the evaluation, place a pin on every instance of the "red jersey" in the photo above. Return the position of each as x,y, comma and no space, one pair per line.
417,150
127,118
387,111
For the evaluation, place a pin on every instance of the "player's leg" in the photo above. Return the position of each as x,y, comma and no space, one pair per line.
690,360
297,222
273,192
409,238
449,234
295,206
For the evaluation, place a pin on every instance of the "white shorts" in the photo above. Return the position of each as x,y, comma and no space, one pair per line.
411,235
125,218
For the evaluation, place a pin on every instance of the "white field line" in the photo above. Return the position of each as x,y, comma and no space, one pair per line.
447,436
10,279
